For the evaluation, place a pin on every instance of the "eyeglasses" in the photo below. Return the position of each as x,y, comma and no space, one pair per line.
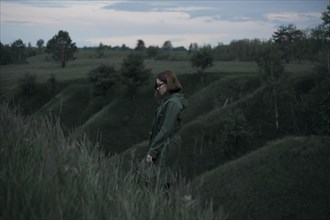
159,85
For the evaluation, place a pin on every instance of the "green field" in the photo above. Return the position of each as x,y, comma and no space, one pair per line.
42,66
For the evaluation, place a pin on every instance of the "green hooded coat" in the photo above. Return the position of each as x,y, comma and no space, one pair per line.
165,142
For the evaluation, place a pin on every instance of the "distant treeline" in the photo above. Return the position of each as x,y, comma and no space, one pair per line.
294,44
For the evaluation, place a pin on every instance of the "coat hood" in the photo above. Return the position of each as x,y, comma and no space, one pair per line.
180,97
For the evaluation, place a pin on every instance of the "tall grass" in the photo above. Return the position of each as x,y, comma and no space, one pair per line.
50,173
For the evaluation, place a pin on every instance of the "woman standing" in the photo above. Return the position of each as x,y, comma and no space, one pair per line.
161,160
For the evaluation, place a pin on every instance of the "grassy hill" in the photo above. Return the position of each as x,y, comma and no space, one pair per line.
230,115
215,133
69,105
50,173
123,122
286,179
86,59
205,119
116,119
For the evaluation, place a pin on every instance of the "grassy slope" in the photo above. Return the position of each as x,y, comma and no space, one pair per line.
49,173
223,134
286,179
119,120
123,122
69,105
215,95
204,117
214,134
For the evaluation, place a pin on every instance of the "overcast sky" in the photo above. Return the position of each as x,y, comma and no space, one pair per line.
182,22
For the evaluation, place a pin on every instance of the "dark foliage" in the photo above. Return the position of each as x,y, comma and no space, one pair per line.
133,72
5,54
28,84
61,47
201,59
103,78
18,50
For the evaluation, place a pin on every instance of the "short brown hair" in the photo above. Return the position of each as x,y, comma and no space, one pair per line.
168,77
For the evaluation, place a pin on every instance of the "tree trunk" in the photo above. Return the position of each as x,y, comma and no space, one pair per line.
201,73
329,60
62,57
275,108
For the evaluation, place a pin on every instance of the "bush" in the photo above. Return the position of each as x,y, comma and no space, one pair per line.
52,82
28,84
103,77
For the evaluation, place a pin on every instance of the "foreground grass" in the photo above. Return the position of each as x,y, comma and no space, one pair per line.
49,173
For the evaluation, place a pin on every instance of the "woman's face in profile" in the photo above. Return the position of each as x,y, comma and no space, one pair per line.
161,87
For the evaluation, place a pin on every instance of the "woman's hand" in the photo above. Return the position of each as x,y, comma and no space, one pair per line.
149,158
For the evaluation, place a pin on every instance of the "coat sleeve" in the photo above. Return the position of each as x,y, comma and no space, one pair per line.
172,110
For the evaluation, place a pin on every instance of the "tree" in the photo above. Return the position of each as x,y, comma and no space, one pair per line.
61,47
140,46
5,54
326,19
28,84
103,78
40,44
326,28
192,47
235,132
152,51
100,50
271,70
30,51
134,73
286,37
201,59
167,48
124,47
18,49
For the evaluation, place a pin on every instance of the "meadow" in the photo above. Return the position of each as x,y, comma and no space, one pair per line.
235,162
86,59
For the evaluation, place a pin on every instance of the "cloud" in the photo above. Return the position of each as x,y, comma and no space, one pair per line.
189,8
291,16
201,33
118,22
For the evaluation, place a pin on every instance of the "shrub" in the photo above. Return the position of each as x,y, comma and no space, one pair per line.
103,77
28,84
52,82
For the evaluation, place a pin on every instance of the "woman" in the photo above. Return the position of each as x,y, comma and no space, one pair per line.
165,143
